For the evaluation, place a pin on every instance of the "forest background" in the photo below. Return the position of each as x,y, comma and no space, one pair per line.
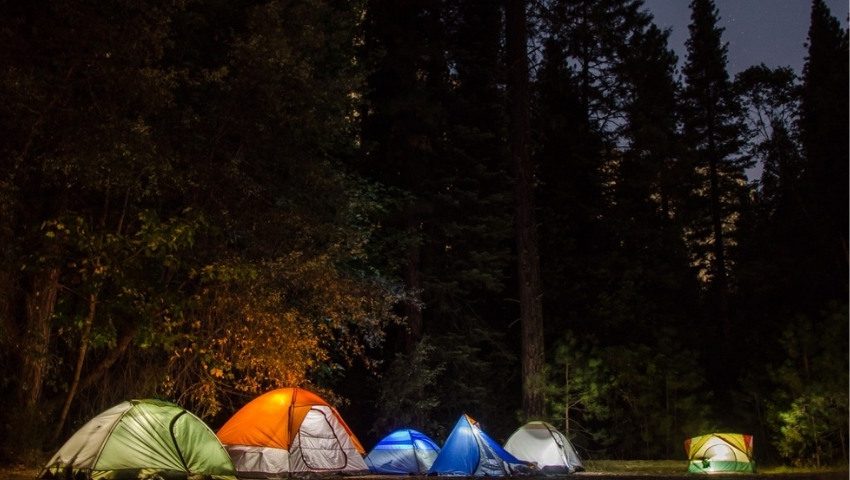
201,200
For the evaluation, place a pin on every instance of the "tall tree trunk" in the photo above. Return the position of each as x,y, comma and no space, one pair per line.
40,301
8,329
528,262
78,368
720,283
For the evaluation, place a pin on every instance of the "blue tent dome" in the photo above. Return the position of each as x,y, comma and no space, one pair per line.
403,452
470,451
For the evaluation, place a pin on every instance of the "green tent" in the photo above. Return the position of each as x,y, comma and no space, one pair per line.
142,439
720,452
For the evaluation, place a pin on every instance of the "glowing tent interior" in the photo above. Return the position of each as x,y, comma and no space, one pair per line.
290,430
404,451
720,453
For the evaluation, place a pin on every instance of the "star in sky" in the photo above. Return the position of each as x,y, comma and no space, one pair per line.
772,32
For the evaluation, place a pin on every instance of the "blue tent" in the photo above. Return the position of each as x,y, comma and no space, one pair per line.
469,451
403,451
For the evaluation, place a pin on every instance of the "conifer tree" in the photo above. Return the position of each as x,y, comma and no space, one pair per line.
434,137
770,262
712,132
567,152
824,137
648,194
401,133
591,32
578,112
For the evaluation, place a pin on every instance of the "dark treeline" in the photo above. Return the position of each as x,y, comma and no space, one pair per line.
201,200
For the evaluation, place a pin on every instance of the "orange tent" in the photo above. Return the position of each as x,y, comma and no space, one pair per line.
290,430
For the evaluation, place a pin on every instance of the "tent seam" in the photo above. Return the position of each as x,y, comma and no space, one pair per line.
109,434
174,439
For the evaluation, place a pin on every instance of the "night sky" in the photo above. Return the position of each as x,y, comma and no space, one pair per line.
772,32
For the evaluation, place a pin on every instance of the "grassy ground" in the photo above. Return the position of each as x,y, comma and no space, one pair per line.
679,468
599,470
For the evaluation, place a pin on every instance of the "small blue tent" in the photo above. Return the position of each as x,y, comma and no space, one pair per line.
403,452
469,451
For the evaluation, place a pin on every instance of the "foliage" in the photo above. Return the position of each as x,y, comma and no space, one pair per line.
408,392
769,100
628,401
810,411
814,429
256,327
180,166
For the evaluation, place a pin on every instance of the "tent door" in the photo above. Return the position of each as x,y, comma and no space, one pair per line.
320,447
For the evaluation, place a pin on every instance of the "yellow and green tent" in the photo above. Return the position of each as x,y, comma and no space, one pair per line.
720,453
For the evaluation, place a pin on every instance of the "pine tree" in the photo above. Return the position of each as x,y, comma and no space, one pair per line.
712,133
568,151
770,262
578,114
402,131
824,137
433,135
648,192
591,32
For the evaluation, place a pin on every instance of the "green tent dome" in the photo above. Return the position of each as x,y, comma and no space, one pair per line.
142,439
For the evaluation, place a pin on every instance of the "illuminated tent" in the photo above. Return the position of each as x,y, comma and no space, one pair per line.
290,430
469,451
543,445
720,452
403,452
141,439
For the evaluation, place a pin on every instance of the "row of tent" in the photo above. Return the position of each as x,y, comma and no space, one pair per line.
534,447
292,430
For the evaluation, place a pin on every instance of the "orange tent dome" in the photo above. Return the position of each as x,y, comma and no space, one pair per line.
290,429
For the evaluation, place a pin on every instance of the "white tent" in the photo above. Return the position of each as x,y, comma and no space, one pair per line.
544,445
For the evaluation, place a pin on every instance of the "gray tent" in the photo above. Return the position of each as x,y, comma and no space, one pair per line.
544,445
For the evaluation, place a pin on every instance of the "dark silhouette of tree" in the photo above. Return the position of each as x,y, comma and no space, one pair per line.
773,228
824,138
568,153
713,134
402,125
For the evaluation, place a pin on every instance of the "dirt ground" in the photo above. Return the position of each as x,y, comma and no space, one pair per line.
604,470
17,473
